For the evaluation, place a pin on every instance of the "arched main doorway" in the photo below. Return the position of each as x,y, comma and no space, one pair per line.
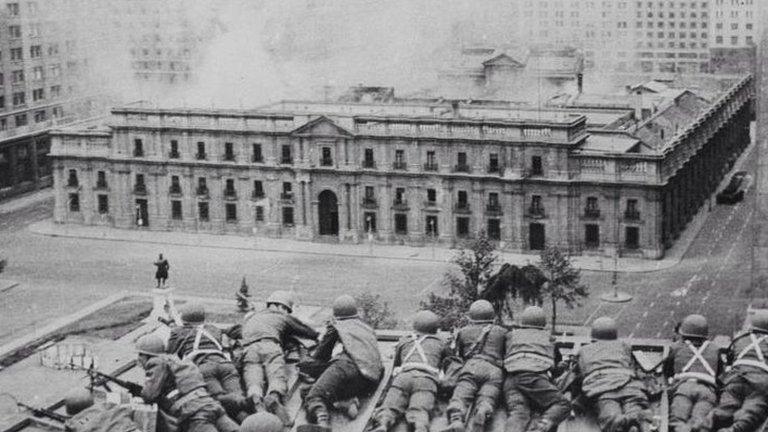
328,213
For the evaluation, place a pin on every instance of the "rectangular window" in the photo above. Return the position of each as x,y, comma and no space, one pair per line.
175,185
399,163
400,196
72,179
202,186
401,223
431,164
462,199
35,51
368,161
259,214
257,156
229,189
103,204
536,167
19,98
493,201
370,222
17,76
231,212
2,102
176,209
40,116
140,186
200,151
38,94
229,152
494,229
258,189
14,31
17,54
632,237
21,120
493,163
287,187
461,162
74,202
462,227
325,158
13,9
37,74
101,179
632,212
285,156
537,208
202,211
174,154
431,226
592,235
369,197
431,195
138,147
288,216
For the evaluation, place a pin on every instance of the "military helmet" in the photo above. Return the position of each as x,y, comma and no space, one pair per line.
345,306
481,311
283,298
150,344
533,316
78,400
694,326
426,322
604,328
759,320
262,422
193,314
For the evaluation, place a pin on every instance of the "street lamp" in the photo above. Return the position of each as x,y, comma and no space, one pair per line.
432,234
369,229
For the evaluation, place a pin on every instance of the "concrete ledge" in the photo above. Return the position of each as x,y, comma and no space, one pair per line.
7,285
619,297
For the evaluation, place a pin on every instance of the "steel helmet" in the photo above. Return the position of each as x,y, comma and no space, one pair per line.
193,314
694,326
426,322
150,344
283,298
78,400
262,422
345,306
604,328
481,311
759,321
533,317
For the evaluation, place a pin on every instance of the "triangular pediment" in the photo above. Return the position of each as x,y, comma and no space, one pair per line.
503,60
321,126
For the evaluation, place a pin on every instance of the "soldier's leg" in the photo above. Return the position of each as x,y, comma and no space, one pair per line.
326,390
733,394
546,397
225,424
394,404
421,403
635,406
680,409
253,374
752,413
231,396
463,395
609,413
274,366
489,391
706,400
518,408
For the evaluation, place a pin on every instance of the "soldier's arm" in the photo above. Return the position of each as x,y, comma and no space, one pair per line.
398,353
299,329
324,348
156,374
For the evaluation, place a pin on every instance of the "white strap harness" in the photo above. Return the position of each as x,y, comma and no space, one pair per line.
196,351
685,373
755,345
423,365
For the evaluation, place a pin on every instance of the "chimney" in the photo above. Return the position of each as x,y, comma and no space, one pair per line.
580,82
638,102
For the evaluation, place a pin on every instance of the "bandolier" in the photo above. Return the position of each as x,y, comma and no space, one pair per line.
608,380
419,358
480,345
743,405
530,358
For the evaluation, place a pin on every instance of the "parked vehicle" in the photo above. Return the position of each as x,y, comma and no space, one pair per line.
734,192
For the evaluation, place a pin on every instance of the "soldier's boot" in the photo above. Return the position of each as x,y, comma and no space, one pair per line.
350,407
322,421
455,422
542,425
419,427
384,421
273,403
482,413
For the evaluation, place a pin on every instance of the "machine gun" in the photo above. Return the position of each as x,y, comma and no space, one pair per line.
43,412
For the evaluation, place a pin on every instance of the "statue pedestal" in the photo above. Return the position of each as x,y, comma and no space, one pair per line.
163,307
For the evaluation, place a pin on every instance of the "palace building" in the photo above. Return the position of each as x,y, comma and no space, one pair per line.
590,180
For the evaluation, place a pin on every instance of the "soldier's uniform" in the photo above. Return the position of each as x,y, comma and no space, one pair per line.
263,360
608,379
744,396
201,343
693,365
178,387
419,358
530,359
103,418
354,371
480,345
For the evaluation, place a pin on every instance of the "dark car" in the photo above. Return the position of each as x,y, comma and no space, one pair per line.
734,192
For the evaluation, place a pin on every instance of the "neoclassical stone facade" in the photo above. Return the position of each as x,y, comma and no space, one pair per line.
404,173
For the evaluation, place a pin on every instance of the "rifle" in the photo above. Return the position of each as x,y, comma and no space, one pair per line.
43,412
99,378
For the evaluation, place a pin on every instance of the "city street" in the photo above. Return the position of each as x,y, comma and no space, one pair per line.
60,275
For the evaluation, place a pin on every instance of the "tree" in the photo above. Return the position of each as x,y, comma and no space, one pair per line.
375,311
511,283
475,262
563,280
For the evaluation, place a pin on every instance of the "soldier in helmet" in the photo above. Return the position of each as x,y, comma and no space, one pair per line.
530,358
262,422
264,334
201,343
480,344
607,370
419,358
354,371
743,405
87,416
178,388
693,365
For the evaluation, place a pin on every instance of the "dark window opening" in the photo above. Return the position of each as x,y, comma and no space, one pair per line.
101,180
200,151
494,229
432,195
370,222
257,155
258,189
287,191
231,212
103,204
536,167
592,209
202,186
493,163
202,211
287,216
229,189
140,186
229,152
326,159
431,164
401,223
632,237
138,148
72,180
461,162
175,185
368,161
399,163
286,155
431,226
74,202
400,196
259,214
176,209
174,154
592,235
631,212
462,227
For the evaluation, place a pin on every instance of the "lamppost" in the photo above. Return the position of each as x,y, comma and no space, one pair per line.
432,234
369,228
139,220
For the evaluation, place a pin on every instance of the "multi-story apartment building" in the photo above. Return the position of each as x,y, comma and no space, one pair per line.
736,29
406,172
